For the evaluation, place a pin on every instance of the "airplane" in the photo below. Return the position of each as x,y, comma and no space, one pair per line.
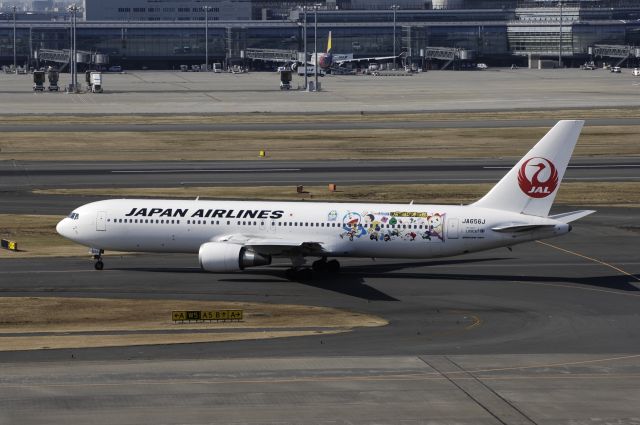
230,236
328,59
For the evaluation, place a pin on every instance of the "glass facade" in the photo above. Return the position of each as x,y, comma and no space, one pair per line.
165,45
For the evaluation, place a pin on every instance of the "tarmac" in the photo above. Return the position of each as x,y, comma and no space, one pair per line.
170,92
543,334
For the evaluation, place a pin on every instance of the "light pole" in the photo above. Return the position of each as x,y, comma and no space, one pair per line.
74,66
394,7
304,38
15,62
315,45
560,38
206,38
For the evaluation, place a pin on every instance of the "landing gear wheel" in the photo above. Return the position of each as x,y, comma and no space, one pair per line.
333,266
97,255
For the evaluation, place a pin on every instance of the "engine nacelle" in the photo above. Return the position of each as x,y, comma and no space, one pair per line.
221,257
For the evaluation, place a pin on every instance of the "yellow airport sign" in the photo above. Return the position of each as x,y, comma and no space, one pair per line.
200,316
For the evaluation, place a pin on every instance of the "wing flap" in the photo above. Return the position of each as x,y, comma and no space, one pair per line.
275,246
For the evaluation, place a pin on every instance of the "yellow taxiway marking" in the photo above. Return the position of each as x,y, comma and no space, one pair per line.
590,259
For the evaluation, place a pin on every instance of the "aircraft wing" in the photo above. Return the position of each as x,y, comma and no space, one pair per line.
277,246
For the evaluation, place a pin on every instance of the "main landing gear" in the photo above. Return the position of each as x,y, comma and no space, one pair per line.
305,274
97,255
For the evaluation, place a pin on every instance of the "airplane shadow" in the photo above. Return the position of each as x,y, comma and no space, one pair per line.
351,281
615,282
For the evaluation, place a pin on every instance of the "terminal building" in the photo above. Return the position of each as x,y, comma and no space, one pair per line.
166,10
510,34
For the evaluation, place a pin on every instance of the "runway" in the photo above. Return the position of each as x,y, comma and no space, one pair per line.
24,175
329,125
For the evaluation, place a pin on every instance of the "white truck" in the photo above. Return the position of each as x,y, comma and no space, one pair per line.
96,82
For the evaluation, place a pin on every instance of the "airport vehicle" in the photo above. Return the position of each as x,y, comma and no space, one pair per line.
636,72
38,80
96,82
115,68
285,77
311,71
230,236
217,68
484,66
53,76
184,68
616,69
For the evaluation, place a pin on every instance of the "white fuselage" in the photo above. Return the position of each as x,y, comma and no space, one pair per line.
341,229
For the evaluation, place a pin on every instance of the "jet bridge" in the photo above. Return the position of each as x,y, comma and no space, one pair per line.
63,56
620,52
448,54
272,55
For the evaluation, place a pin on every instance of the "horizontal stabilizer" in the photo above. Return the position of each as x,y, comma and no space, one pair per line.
568,217
517,228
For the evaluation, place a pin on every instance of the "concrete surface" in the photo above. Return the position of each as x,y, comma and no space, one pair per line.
181,92
407,390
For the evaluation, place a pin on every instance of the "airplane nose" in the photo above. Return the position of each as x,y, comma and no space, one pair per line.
62,228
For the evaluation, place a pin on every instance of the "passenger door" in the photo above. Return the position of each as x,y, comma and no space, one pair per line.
101,221
453,228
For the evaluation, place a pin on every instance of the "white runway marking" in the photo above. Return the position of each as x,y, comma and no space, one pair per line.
205,170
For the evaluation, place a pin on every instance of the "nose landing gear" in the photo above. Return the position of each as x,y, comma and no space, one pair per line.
97,255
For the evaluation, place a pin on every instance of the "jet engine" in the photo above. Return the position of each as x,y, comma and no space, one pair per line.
221,257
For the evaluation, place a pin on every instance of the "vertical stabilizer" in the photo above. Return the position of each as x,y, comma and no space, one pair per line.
329,43
532,184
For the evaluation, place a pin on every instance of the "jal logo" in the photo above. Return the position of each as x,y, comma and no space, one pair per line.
538,177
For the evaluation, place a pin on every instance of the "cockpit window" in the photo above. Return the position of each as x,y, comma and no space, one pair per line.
74,216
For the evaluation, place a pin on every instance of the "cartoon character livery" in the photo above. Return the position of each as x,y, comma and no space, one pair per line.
230,236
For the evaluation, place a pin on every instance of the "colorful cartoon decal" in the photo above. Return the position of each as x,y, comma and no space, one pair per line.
387,226
352,226
333,215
